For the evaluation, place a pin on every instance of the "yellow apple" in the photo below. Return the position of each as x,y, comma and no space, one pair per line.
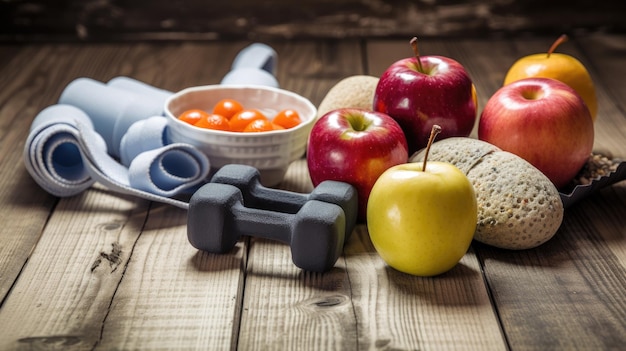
562,67
422,220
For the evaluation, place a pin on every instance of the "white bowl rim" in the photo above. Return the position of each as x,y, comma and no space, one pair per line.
209,87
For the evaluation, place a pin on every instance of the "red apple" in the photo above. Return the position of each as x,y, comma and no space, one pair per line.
420,92
355,146
545,122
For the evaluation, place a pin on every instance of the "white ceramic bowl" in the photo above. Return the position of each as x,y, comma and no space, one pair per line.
270,152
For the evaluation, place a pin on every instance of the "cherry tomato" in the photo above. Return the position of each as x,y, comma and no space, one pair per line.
227,108
277,126
261,125
214,121
241,120
287,118
192,116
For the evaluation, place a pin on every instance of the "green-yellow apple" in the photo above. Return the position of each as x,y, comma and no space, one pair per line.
543,121
422,220
422,91
563,67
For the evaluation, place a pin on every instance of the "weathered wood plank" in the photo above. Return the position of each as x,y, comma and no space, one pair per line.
606,54
571,287
25,207
172,295
605,57
286,308
64,292
364,304
398,311
282,19
311,68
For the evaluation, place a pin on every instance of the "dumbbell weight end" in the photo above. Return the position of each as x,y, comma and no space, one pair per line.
209,219
318,236
342,194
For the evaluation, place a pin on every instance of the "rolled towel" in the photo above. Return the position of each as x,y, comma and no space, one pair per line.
52,153
112,110
138,87
65,155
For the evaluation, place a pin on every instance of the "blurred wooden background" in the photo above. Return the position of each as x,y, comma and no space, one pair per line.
111,20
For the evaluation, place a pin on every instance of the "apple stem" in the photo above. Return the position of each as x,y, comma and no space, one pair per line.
413,43
560,40
433,133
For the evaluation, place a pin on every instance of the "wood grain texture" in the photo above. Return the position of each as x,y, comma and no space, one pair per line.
283,19
25,208
67,286
397,311
606,55
172,294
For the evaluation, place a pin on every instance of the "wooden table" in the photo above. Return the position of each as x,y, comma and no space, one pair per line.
109,272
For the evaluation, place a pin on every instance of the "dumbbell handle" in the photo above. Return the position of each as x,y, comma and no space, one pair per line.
262,223
291,202
270,199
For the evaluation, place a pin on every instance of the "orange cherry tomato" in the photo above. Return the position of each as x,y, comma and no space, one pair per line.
241,120
192,116
287,118
214,121
261,125
227,108
277,126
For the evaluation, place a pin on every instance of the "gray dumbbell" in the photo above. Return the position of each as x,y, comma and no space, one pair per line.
217,219
248,180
